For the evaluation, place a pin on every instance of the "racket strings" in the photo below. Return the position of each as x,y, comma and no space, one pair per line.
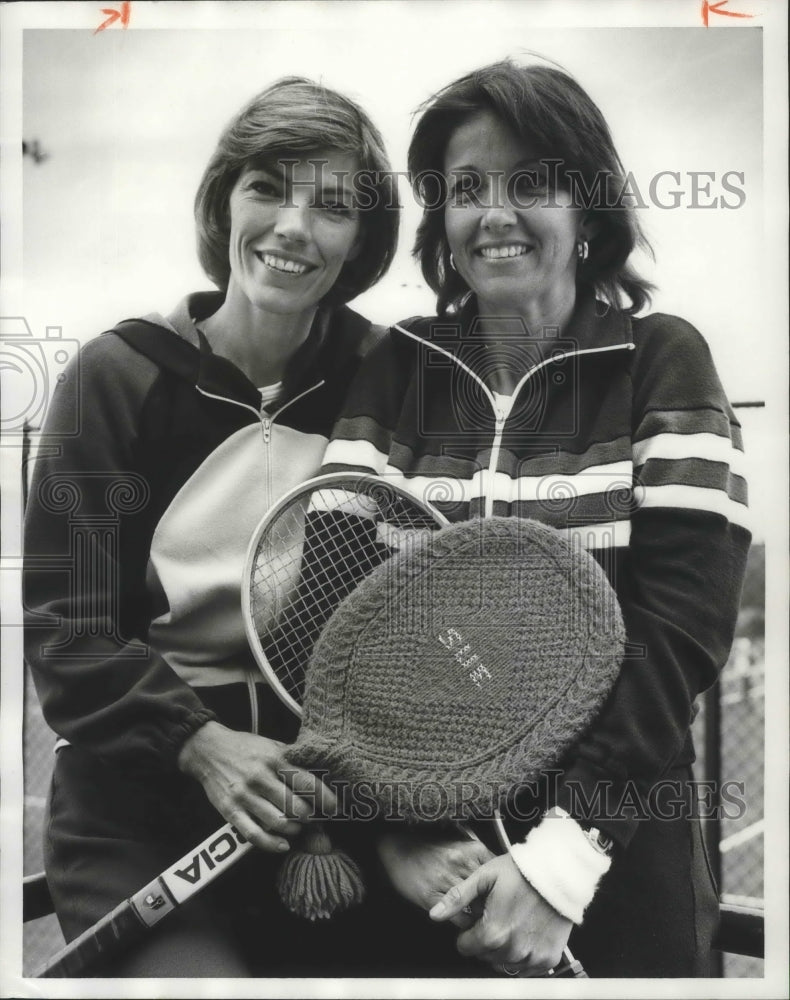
313,555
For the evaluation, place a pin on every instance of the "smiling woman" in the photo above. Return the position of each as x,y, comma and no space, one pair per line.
192,426
536,392
518,259
290,235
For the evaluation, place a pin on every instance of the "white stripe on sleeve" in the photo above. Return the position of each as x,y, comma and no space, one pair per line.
708,447
694,498
355,453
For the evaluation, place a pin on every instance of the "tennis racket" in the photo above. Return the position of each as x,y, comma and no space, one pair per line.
308,556
310,551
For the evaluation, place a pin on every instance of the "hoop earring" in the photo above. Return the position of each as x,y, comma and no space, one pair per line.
582,250
452,264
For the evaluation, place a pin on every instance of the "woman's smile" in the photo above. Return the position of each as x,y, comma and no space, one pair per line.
503,252
283,263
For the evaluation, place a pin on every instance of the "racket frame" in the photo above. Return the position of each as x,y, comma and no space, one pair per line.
327,481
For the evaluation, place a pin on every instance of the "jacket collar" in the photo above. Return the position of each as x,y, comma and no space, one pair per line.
593,324
219,376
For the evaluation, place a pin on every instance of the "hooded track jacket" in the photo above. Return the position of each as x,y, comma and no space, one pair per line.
137,526
617,433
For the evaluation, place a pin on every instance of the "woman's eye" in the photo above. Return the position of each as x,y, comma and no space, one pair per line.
465,189
339,208
528,184
463,196
265,188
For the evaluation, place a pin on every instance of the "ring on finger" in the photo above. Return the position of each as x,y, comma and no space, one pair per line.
510,970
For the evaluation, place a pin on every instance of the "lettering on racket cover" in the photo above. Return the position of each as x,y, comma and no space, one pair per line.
453,641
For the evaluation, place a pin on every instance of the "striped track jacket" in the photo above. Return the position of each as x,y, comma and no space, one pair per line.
617,433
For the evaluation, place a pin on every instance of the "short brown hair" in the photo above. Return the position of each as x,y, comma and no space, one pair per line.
296,116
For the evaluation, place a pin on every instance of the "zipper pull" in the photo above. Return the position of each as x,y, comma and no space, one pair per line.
266,426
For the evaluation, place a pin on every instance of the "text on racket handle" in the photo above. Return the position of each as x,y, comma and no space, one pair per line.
189,874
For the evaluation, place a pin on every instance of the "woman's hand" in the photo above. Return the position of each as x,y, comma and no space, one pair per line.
248,781
517,928
422,868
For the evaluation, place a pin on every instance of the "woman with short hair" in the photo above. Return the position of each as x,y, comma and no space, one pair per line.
191,426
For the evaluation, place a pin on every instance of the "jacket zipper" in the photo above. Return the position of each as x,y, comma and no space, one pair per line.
501,405
266,423
264,419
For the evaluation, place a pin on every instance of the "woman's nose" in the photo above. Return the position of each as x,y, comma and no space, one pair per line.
293,222
498,211
498,214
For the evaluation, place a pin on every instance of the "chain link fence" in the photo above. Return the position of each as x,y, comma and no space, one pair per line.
41,938
740,700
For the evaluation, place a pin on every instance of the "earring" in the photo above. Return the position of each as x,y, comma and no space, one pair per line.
452,264
582,250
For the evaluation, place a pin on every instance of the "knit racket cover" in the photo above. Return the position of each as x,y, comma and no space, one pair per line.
461,669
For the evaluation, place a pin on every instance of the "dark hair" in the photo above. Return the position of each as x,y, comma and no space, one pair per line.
295,116
548,109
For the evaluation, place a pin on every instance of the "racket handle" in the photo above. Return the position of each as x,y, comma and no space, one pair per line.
119,929
134,917
569,966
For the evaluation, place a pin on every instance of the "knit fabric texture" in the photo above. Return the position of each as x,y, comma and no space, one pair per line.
460,669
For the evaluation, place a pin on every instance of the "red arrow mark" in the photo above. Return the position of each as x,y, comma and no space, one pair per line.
716,8
121,15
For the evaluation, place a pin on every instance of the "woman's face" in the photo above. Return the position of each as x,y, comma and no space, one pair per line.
513,238
293,225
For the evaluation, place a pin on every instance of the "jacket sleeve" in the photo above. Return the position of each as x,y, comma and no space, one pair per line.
88,524
362,437
679,584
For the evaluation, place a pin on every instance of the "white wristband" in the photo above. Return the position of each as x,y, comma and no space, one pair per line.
559,862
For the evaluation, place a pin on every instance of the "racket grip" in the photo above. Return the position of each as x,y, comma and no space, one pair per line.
117,930
133,918
569,966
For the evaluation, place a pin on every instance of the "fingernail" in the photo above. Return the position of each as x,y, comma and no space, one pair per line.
283,845
438,910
